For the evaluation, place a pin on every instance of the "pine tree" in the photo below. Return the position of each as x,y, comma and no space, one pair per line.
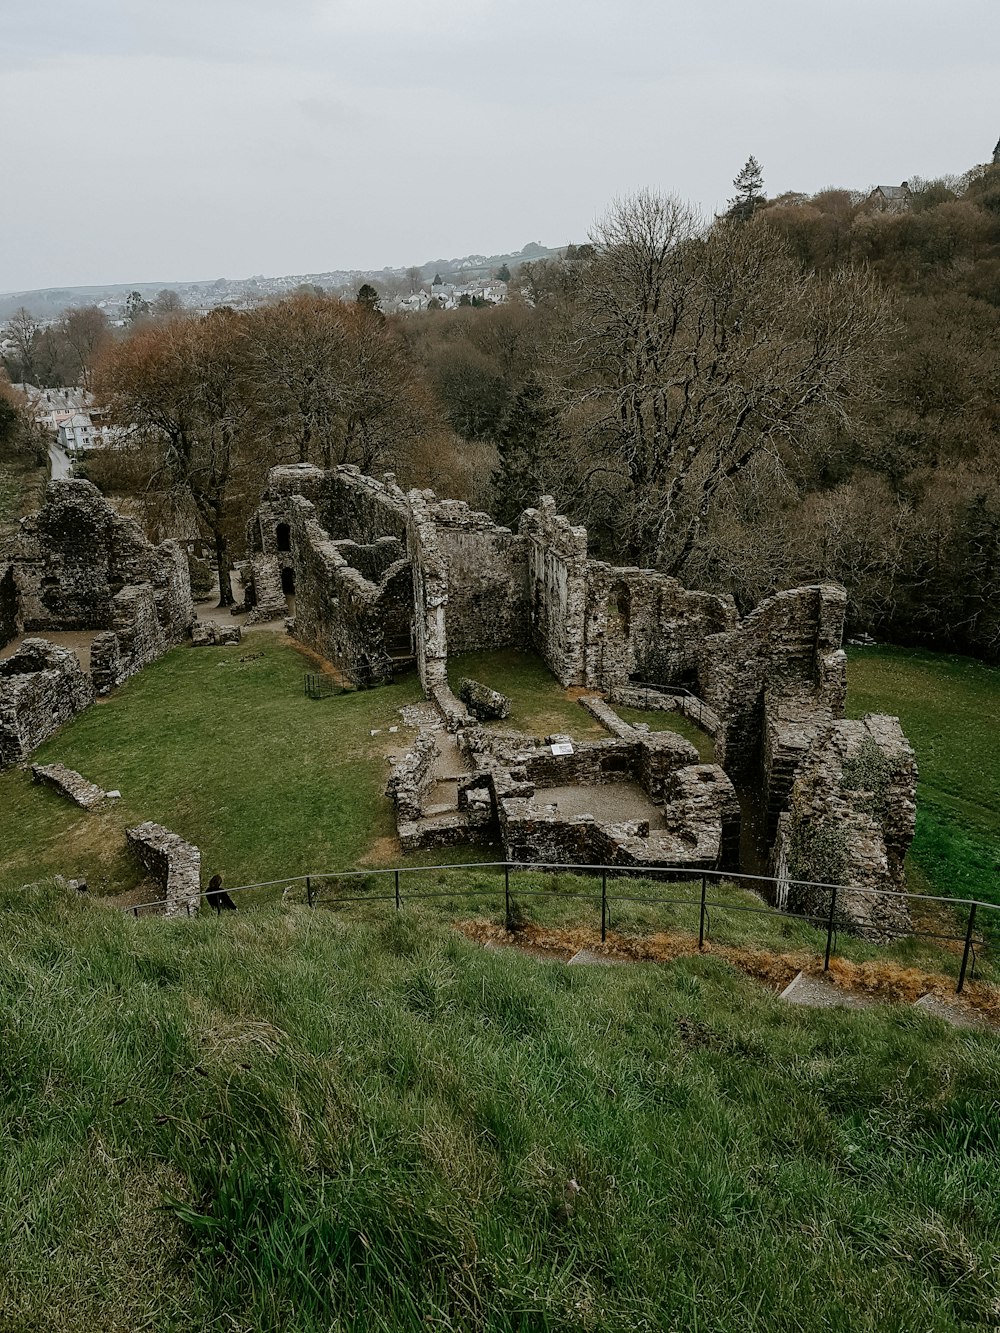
749,196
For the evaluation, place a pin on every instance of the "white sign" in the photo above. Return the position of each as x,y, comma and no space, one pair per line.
562,747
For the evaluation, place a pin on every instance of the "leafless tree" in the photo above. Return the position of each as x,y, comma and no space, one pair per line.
690,351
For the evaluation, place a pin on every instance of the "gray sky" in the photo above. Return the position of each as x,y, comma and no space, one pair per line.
150,140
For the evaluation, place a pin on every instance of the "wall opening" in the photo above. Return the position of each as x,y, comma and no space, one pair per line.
288,581
283,538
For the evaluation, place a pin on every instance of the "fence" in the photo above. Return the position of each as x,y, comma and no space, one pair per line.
690,704
315,888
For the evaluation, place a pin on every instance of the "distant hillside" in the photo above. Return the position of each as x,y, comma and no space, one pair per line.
49,302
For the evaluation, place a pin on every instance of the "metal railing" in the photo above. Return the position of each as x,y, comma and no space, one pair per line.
697,706
315,890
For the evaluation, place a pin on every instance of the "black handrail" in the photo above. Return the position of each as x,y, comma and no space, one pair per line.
701,903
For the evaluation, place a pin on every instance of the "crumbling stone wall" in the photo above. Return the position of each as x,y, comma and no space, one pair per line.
135,641
41,687
850,821
69,783
557,589
79,564
412,776
789,644
73,557
338,611
173,863
643,625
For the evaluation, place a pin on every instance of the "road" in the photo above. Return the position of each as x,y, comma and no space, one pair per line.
60,462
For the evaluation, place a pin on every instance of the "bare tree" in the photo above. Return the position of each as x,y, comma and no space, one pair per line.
25,332
689,352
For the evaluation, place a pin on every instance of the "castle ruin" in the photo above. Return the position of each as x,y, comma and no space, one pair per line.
382,579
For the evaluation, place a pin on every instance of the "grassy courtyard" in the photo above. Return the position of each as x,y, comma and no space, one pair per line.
221,746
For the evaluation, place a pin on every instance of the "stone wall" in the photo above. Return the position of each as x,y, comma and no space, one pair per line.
412,776
486,568
645,626
69,783
76,554
338,611
136,639
850,821
173,863
41,687
556,569
790,643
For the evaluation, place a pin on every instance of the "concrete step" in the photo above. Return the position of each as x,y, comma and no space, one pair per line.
816,991
952,1013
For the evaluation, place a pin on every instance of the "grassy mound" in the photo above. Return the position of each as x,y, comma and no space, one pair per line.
285,1122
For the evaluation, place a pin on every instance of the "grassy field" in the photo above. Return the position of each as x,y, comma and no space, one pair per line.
221,745
279,1122
950,710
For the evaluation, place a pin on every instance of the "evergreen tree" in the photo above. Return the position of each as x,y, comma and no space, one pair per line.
749,195
524,439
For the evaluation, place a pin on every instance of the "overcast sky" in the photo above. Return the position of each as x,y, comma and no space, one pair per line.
149,140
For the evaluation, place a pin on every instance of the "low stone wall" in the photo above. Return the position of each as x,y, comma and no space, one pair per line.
653,701
411,776
41,687
69,783
451,708
206,634
172,862
607,717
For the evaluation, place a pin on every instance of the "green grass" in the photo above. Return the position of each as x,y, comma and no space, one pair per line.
226,752
282,1122
21,485
949,707
542,707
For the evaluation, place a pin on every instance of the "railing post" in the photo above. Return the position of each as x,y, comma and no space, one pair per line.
701,919
506,894
829,928
967,950
397,891
309,890
604,905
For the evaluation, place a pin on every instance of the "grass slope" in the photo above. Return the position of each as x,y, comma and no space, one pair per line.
950,710
281,1122
226,752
